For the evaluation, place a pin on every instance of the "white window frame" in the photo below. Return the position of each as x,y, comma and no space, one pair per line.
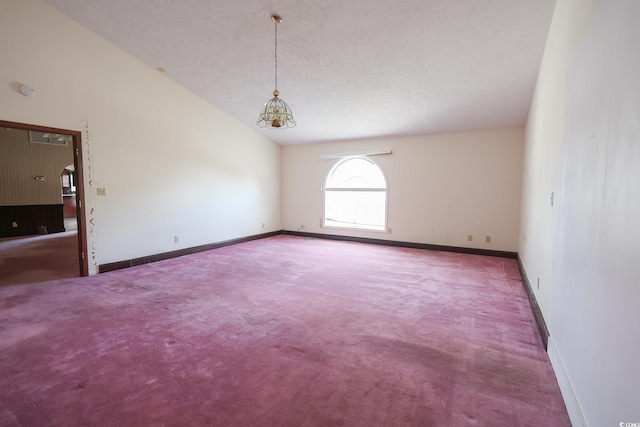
384,190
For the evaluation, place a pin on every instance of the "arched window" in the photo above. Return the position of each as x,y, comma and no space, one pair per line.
355,195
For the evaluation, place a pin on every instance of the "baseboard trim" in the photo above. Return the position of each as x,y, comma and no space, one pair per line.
457,249
570,400
103,268
535,308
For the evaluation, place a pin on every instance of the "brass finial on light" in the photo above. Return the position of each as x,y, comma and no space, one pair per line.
276,113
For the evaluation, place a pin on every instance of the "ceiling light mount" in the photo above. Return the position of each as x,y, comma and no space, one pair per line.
275,113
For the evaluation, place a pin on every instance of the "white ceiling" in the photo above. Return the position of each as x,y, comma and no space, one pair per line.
348,69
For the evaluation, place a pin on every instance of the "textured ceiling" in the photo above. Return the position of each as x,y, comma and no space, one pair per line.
348,69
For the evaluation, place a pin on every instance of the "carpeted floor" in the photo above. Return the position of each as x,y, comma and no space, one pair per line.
38,258
284,331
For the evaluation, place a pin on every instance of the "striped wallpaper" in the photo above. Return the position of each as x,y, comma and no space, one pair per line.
21,161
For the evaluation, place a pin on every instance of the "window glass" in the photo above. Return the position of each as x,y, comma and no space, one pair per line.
356,195
356,173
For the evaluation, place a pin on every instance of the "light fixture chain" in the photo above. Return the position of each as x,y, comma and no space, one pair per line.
276,53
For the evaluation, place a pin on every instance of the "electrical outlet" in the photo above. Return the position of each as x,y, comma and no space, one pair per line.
390,230
538,284
487,239
263,225
14,224
101,191
176,239
470,237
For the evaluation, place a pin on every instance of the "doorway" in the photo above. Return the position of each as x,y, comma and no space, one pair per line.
75,139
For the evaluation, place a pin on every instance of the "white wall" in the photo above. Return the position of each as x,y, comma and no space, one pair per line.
441,187
543,148
582,143
172,164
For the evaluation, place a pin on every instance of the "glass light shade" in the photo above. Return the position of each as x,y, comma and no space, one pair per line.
276,114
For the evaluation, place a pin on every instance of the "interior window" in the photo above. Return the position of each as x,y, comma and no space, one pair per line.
355,195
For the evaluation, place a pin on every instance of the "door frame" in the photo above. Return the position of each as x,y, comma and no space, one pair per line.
80,200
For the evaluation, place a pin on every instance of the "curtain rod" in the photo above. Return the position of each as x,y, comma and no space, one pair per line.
353,153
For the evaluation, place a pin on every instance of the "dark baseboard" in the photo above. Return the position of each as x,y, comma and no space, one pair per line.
472,251
535,308
103,268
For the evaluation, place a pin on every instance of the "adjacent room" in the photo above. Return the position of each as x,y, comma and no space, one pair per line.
306,213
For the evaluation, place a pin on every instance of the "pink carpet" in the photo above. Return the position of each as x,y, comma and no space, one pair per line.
284,331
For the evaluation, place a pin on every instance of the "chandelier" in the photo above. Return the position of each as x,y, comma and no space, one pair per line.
275,113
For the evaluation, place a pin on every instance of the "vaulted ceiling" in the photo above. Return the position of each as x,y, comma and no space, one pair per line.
348,69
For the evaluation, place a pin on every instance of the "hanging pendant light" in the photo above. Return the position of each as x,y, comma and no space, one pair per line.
276,113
